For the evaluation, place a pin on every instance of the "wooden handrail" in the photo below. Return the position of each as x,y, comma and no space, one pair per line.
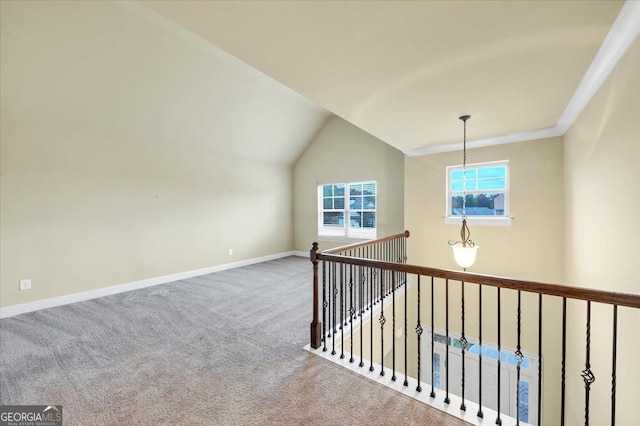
599,296
354,246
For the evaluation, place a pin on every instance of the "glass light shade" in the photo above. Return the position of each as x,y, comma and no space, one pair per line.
465,256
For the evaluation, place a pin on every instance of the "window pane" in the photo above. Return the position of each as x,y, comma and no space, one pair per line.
470,184
456,186
369,188
338,190
491,172
369,203
326,203
355,189
338,203
355,203
498,183
355,220
368,220
456,175
478,205
333,218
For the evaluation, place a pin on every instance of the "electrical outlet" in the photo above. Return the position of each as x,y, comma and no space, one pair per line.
25,284
230,252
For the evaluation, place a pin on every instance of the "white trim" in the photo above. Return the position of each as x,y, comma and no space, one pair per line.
621,35
22,308
481,143
623,32
301,253
479,220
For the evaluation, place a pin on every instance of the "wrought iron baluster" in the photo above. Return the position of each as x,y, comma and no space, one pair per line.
352,310
433,373
371,320
382,321
480,413
342,310
519,358
613,365
564,360
539,358
362,290
499,419
406,337
419,331
587,374
363,281
446,320
335,299
325,304
393,328
463,341
367,289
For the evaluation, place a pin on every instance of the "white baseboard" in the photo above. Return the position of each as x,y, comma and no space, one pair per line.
22,308
301,253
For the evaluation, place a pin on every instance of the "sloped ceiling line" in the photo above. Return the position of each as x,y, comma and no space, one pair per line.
622,34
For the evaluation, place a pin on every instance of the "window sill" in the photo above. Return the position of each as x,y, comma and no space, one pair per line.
481,221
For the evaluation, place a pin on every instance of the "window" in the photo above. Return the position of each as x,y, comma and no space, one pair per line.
485,189
347,210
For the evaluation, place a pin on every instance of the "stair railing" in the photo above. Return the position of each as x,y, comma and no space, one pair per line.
359,279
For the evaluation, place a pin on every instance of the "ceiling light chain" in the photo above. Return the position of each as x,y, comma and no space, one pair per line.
464,251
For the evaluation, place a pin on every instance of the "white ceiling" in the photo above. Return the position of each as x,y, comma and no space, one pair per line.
405,70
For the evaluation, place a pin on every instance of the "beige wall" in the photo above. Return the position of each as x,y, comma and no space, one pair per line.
530,248
342,152
602,152
131,150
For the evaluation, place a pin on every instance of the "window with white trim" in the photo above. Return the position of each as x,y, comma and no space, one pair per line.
485,187
347,210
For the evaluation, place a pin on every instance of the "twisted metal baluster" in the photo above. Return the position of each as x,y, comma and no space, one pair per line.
393,327
324,304
519,358
433,373
371,321
587,374
352,310
382,320
613,366
419,331
335,298
342,310
363,283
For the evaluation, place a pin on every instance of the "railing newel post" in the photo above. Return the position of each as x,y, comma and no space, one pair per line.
316,326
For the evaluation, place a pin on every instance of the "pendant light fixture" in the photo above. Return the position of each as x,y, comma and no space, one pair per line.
464,251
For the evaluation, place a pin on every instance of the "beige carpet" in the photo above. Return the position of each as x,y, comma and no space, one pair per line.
221,349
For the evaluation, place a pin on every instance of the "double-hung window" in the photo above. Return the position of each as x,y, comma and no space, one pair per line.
485,189
347,210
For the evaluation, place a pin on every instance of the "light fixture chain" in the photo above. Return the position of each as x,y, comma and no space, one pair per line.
464,171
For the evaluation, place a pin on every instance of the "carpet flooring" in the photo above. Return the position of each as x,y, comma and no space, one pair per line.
220,349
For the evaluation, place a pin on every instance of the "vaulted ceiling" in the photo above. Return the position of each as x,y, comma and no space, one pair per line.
405,70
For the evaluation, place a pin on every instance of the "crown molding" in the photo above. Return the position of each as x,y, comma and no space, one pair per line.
622,34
